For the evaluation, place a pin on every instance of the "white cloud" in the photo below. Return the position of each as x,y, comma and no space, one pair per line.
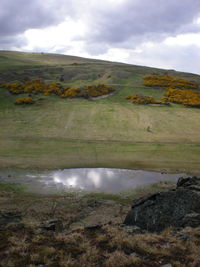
115,54
55,37
184,40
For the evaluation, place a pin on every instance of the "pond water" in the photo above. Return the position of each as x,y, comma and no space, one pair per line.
85,179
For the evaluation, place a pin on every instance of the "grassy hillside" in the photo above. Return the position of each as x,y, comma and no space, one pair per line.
58,133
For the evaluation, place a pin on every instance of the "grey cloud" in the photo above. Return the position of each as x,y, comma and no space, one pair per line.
16,16
96,48
12,42
143,18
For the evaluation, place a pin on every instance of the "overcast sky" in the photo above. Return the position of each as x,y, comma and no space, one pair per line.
158,33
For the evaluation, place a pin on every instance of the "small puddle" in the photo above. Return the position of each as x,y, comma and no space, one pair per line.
85,179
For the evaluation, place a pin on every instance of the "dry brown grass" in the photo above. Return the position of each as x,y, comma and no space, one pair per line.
120,259
108,246
111,244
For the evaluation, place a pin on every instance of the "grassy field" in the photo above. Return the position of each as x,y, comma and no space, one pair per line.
109,132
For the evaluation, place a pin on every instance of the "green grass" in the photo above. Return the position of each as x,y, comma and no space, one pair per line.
12,59
98,120
109,132
11,188
58,153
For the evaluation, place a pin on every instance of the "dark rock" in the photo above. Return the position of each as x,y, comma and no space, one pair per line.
177,208
52,225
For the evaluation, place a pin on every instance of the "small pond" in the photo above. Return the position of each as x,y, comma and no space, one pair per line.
85,179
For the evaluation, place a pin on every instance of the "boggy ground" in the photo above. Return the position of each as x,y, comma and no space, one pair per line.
88,232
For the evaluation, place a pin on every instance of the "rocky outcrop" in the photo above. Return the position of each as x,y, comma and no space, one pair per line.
176,208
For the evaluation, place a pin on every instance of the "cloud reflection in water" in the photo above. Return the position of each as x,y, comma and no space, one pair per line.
85,179
105,179
88,179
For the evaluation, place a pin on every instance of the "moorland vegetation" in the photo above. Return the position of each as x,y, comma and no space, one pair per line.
39,86
177,90
168,81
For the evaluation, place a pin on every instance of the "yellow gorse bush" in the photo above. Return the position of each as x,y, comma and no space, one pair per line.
185,97
53,89
72,93
177,91
145,100
168,81
35,86
24,100
38,85
14,88
98,90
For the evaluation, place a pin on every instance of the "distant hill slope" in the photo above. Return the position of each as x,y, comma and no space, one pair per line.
12,58
17,65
